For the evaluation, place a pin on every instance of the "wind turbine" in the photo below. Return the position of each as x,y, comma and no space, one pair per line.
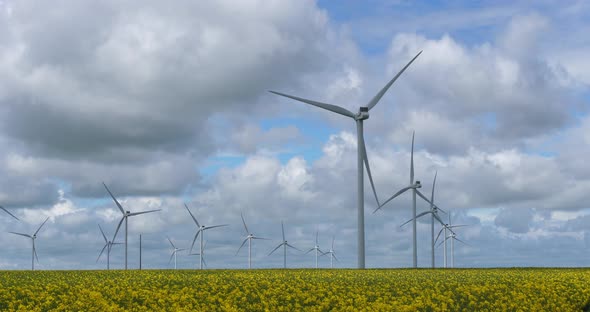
33,237
202,228
434,214
317,250
249,239
176,250
284,244
414,186
8,212
451,236
126,215
359,117
108,245
332,254
201,253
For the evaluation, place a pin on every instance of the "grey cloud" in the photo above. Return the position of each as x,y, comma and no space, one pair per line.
515,220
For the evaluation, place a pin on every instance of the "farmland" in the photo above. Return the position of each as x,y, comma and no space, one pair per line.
288,290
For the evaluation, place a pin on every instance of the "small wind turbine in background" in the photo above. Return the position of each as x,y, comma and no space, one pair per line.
453,237
284,244
414,186
363,114
434,214
108,245
249,238
332,254
33,237
317,250
174,252
126,215
202,229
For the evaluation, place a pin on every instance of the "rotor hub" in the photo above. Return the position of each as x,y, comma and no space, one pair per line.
363,113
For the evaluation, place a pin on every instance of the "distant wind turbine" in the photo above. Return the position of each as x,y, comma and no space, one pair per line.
434,214
284,244
126,215
8,212
359,117
108,245
453,237
414,186
317,250
248,239
174,252
332,254
202,229
33,237
201,254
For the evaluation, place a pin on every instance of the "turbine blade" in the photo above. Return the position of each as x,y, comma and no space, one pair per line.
412,161
461,241
366,161
418,216
425,198
118,227
142,212
171,256
442,241
438,218
171,242
459,225
21,234
103,236
116,201
380,94
195,239
244,222
35,252
330,107
334,255
256,237
279,246
204,262
42,224
333,239
433,185
8,212
283,229
438,236
195,219
214,226
289,245
242,245
310,251
316,237
103,248
394,196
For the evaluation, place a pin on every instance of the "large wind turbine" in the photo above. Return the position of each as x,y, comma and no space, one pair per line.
284,244
414,186
126,215
33,237
359,117
174,252
451,236
249,239
317,250
108,245
434,214
8,212
332,254
202,228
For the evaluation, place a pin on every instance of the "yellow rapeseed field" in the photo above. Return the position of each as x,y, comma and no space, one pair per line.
297,290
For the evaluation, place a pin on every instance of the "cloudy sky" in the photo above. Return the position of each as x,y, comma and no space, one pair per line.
167,103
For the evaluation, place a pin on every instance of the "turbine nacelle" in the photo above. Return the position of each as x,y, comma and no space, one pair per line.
363,114
416,185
